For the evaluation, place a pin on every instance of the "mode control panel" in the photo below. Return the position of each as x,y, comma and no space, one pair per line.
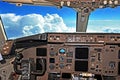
84,37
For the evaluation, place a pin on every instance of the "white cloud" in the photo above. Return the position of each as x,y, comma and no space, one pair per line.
17,26
106,26
11,17
111,30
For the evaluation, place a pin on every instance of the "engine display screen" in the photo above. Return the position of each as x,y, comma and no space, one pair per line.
81,53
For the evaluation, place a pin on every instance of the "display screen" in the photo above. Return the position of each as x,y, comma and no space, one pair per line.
81,53
81,66
41,51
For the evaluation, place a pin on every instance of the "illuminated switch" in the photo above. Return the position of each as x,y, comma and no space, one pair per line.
5,52
116,2
110,2
105,2
68,3
92,65
61,3
6,43
7,47
93,0
4,48
57,37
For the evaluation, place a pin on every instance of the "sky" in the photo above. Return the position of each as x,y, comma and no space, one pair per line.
29,20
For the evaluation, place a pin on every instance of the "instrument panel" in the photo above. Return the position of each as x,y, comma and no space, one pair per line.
68,56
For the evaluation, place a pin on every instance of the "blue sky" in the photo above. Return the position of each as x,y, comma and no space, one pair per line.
28,20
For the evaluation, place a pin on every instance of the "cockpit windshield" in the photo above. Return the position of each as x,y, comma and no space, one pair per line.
29,20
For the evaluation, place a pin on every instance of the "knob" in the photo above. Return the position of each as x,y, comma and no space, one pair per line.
61,66
52,66
52,53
